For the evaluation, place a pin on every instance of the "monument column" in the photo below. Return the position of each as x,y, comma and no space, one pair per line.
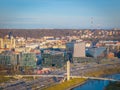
68,70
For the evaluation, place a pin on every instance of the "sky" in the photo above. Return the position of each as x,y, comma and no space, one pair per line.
62,14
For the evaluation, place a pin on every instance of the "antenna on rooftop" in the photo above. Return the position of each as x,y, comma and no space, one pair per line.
91,22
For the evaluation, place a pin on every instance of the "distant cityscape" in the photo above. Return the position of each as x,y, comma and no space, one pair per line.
23,52
48,51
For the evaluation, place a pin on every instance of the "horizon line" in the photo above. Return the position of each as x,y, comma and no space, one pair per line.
64,28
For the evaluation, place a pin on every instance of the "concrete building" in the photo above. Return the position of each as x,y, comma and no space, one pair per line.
27,59
75,49
79,49
54,58
18,59
9,59
7,42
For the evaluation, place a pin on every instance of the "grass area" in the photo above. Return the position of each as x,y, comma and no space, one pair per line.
4,79
65,85
113,86
30,78
104,71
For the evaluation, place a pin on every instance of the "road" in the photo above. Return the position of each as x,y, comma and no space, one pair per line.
77,69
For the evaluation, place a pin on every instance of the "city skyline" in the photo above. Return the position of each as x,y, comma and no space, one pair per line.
62,14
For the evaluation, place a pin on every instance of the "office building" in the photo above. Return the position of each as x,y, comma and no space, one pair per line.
75,49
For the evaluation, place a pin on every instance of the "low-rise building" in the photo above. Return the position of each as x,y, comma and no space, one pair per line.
54,58
18,59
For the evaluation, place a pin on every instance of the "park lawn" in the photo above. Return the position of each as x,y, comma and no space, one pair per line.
66,85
